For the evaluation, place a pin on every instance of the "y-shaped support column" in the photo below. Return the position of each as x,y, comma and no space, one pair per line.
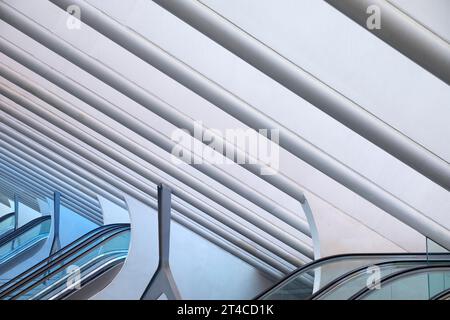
56,244
16,211
163,281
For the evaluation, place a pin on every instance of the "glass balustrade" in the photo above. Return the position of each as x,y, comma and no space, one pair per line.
25,240
418,285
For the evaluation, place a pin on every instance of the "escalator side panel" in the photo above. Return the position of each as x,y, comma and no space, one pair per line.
96,285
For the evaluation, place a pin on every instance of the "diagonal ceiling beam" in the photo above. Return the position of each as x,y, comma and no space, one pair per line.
282,70
401,32
292,77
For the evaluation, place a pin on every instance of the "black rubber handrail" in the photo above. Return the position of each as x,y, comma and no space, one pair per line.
12,235
443,295
104,268
49,262
329,287
54,256
45,270
404,273
22,291
321,261
102,263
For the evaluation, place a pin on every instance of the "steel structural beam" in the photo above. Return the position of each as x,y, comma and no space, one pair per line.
11,194
134,124
19,181
237,247
294,78
12,160
284,72
22,155
33,172
47,162
136,93
403,33
14,185
86,195
12,166
142,152
26,200
115,173
81,193
234,225
21,141
29,182
38,184
52,159
231,246
107,177
33,184
31,193
25,197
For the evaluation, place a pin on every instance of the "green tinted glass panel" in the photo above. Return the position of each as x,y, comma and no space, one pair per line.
311,279
419,286
25,240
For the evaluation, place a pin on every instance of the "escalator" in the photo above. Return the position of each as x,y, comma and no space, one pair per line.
14,243
347,277
71,272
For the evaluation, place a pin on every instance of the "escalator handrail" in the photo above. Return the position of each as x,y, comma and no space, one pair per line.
102,260
316,263
45,269
51,258
60,252
91,276
342,279
23,247
56,258
115,233
12,235
398,275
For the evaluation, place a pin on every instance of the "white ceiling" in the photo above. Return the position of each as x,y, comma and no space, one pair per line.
319,39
